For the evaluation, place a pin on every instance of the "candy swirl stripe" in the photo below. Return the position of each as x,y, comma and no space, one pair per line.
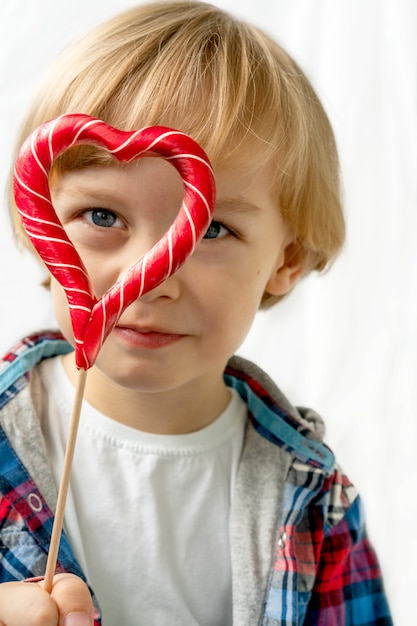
153,143
91,122
69,266
92,318
170,252
33,192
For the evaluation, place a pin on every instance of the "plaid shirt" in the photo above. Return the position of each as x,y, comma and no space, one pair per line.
324,571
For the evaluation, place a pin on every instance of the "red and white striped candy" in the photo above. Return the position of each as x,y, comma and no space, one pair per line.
93,319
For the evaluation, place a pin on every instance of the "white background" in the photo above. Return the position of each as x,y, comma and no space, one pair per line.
344,343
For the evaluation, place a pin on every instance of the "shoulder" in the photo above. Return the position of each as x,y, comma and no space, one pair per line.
24,466
297,430
314,482
17,364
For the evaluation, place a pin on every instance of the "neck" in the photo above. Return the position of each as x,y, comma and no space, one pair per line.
169,412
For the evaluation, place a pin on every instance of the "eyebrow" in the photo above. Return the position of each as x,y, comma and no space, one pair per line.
238,205
87,195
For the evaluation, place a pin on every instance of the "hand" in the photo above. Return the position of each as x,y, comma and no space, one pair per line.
28,604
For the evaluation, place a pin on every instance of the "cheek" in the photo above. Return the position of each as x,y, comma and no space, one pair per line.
229,300
101,269
60,306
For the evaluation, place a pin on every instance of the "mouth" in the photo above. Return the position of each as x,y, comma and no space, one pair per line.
149,338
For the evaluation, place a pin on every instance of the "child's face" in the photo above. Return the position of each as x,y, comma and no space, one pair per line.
186,329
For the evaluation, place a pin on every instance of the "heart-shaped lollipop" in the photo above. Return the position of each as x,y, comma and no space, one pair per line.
93,319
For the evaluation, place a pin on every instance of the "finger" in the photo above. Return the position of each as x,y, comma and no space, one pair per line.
26,605
73,600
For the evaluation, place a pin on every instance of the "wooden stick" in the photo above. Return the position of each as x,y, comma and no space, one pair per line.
64,484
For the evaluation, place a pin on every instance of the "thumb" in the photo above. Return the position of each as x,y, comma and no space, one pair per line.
73,600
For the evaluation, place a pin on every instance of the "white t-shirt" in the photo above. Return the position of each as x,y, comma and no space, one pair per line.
148,515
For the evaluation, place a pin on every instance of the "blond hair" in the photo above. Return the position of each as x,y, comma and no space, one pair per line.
192,66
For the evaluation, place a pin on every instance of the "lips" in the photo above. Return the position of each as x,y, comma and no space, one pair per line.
145,337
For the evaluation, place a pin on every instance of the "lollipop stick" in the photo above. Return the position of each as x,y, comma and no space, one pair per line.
64,484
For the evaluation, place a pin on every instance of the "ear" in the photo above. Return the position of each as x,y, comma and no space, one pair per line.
288,272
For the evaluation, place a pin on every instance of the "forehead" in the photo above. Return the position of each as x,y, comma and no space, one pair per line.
241,177
114,179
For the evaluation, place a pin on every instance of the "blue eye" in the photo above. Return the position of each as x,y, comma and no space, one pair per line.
102,217
216,230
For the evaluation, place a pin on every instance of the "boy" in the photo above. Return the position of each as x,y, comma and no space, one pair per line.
199,495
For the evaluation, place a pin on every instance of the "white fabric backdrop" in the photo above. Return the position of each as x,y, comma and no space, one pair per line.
344,343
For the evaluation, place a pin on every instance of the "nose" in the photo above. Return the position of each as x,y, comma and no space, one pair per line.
169,289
